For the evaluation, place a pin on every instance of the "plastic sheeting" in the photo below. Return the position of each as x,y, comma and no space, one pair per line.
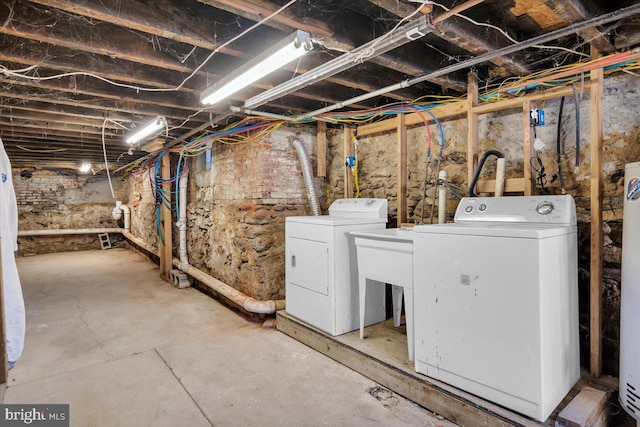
13,300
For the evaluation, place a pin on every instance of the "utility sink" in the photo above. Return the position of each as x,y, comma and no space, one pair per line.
386,256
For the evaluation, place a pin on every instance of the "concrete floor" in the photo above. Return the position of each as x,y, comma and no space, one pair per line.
124,348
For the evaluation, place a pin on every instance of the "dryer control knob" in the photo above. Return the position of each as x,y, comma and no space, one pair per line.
544,208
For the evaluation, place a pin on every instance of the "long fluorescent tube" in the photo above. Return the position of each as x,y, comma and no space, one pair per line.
406,33
290,49
147,130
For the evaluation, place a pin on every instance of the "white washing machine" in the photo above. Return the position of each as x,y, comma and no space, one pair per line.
496,301
321,267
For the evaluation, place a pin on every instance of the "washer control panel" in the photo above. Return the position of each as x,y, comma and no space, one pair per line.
544,209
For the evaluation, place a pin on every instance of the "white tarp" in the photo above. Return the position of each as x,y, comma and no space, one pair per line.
13,301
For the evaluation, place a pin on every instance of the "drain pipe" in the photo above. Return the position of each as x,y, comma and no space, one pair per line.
117,212
246,302
442,197
182,223
472,187
305,164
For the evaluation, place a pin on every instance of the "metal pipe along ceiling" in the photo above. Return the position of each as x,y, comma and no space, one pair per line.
600,20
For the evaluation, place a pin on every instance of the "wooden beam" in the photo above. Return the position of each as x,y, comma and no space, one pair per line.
516,102
322,149
348,151
572,11
442,112
597,237
511,185
179,25
402,169
166,247
62,60
99,38
472,126
256,10
527,144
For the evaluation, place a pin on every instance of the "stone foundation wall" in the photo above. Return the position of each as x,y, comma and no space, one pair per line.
56,200
236,210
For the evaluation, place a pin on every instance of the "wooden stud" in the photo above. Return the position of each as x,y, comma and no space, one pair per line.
597,184
166,251
511,185
527,146
348,151
402,169
322,149
472,126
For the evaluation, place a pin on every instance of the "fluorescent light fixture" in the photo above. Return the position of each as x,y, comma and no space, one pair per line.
402,35
85,167
289,49
147,130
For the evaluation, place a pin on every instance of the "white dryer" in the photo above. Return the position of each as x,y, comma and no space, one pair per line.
496,301
321,267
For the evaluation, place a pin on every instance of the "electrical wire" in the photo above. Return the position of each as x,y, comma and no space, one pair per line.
19,73
106,161
30,150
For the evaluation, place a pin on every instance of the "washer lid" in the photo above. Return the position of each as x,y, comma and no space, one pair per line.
514,230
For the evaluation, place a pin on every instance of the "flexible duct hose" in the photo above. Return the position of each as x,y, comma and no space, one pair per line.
305,165
472,187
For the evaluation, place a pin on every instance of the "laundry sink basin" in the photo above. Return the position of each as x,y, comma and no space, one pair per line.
386,255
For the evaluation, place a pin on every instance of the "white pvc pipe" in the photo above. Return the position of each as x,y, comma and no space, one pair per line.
442,197
182,223
246,302
500,170
28,233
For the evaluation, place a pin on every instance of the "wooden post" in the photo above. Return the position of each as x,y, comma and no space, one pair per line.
348,151
472,126
322,149
402,170
166,249
595,148
527,145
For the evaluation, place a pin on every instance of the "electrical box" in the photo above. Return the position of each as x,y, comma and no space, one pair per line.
536,117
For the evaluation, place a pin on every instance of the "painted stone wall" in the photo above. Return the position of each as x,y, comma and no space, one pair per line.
504,131
56,200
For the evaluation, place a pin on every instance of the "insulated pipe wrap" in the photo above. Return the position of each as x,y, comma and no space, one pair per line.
305,165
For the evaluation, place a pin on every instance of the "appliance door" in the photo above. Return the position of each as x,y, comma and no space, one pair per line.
476,303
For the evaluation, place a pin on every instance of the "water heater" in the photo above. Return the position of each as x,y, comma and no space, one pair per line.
630,300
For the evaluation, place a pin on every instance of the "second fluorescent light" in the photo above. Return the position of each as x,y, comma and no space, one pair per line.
291,48
147,130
